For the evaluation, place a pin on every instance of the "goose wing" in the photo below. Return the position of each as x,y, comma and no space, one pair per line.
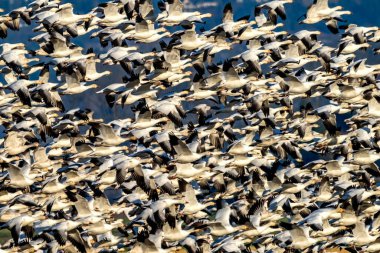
322,4
77,241
312,10
39,155
59,42
255,212
292,52
141,25
91,66
66,12
219,183
15,173
333,165
223,216
324,186
189,36
110,10
178,145
104,131
228,15
360,230
146,10
15,232
230,73
21,90
141,180
72,79
51,98
299,234
293,82
165,184
315,220
13,140
144,115
359,65
83,207
280,10
175,7
188,192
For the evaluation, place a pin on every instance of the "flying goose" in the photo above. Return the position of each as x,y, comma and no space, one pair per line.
190,40
277,6
145,31
348,46
222,226
301,238
192,205
100,227
22,223
229,26
90,73
365,156
73,84
318,11
111,14
17,142
176,233
57,47
173,13
21,89
361,234
106,134
183,153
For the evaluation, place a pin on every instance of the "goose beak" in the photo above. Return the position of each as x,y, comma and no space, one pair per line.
340,210
171,177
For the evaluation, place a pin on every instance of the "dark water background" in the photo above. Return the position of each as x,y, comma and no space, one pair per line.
364,13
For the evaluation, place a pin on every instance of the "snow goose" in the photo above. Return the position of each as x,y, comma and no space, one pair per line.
90,73
228,24
145,32
22,223
361,235
65,16
276,6
101,227
301,238
21,89
111,14
190,40
192,205
176,233
183,152
106,134
222,225
17,142
365,156
348,46
173,13
73,84
57,47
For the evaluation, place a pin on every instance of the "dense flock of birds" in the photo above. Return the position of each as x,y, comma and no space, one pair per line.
243,154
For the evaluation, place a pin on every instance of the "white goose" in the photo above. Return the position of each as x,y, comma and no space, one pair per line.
90,70
15,143
73,85
222,226
192,205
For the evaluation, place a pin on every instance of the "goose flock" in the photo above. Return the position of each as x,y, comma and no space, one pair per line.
272,149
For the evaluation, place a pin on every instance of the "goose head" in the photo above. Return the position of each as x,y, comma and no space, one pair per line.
93,86
337,8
